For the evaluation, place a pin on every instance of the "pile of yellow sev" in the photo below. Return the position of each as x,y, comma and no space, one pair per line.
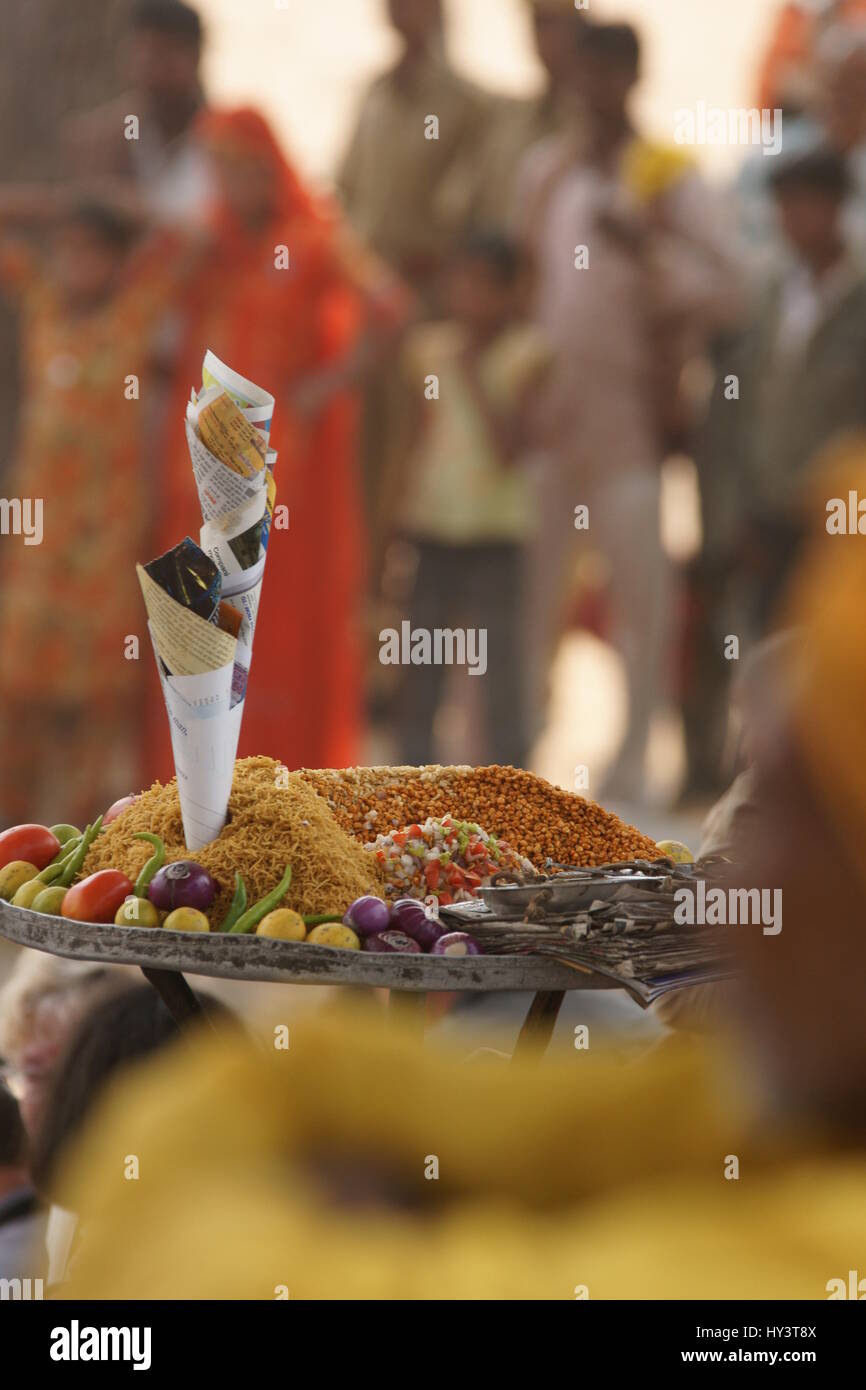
275,819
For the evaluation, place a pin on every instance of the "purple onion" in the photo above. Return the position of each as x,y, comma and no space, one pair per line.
455,943
182,884
413,918
395,942
367,916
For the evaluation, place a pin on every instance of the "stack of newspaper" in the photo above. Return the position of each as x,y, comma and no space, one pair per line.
202,600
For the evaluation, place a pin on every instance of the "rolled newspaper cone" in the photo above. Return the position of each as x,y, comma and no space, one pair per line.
227,429
195,658
202,601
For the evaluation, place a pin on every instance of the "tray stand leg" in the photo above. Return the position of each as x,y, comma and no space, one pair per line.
175,993
539,1024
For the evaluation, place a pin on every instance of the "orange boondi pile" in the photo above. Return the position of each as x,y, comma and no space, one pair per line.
275,819
537,819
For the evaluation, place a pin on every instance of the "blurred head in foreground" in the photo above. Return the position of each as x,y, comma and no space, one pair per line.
115,1033
41,1005
807,984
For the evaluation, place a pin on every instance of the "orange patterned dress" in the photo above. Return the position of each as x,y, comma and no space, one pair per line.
70,610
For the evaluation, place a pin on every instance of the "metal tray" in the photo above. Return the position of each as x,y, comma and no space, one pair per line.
564,894
295,962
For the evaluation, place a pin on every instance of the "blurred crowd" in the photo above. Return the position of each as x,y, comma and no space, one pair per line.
486,344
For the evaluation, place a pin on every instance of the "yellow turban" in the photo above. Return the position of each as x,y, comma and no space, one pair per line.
358,1165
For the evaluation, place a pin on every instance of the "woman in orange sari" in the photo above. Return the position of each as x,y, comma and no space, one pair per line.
280,299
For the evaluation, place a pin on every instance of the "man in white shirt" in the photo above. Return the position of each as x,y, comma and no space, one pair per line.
629,282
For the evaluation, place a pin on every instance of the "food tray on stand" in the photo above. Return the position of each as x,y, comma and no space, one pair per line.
165,957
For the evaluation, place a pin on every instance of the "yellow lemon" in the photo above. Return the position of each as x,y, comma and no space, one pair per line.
27,892
50,900
334,934
14,875
676,850
284,924
186,919
137,912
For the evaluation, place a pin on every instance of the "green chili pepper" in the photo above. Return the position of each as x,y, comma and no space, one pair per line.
155,862
53,870
236,907
72,866
323,917
254,914
65,847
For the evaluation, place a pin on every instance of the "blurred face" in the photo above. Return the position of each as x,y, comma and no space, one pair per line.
605,85
418,22
86,267
556,45
53,1020
246,183
476,297
809,220
164,67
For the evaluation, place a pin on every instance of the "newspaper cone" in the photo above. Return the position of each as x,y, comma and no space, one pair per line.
227,431
202,603
196,663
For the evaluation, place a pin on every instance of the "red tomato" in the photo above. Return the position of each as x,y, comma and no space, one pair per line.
33,843
432,871
97,898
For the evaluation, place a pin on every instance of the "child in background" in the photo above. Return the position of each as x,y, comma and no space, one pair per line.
464,501
69,692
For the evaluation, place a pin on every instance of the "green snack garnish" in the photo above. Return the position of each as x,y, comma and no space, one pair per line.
155,862
72,865
236,906
253,915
